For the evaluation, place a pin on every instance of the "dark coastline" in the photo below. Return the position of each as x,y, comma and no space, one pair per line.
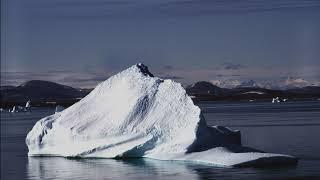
50,94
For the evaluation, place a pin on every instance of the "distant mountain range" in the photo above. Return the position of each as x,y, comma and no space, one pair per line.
49,93
280,84
40,92
207,91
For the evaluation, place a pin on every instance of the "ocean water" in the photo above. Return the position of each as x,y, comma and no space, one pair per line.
289,128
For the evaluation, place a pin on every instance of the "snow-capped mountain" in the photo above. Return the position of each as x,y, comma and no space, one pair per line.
227,83
292,82
288,83
282,83
249,83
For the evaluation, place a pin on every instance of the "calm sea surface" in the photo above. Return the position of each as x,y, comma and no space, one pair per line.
289,128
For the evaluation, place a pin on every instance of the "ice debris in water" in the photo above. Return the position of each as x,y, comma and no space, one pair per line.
59,109
134,114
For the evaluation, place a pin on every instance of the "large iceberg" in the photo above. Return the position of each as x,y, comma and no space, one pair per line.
134,114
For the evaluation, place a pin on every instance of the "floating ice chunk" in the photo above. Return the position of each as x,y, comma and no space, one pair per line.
28,104
59,109
27,107
16,109
275,100
134,114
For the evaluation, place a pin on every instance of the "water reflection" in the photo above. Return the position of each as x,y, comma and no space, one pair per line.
61,168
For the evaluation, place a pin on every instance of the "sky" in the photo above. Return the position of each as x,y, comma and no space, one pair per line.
83,42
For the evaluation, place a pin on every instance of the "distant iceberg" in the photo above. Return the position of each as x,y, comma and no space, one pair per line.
28,104
275,100
16,109
134,114
59,109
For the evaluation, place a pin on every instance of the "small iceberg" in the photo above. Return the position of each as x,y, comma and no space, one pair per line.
28,104
278,100
59,109
16,109
275,100
134,114
27,107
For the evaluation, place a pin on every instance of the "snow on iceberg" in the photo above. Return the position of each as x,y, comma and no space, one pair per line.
134,114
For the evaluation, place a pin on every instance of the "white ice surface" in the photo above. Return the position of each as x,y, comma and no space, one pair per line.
28,104
253,92
133,114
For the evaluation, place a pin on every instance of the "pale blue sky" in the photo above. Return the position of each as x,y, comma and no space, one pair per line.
81,42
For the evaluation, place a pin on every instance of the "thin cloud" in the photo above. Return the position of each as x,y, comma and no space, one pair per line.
81,3
168,67
99,10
